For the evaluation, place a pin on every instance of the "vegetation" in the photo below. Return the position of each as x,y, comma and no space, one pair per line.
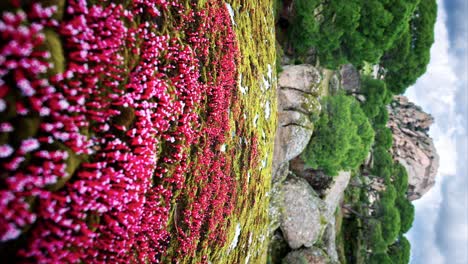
342,137
409,56
376,94
354,31
134,142
397,37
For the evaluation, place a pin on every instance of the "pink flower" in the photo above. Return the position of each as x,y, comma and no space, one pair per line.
5,151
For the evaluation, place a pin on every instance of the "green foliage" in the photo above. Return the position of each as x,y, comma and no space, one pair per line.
384,137
400,251
410,54
381,118
352,31
375,240
390,224
400,179
377,95
305,26
361,141
406,209
380,258
388,197
383,163
342,137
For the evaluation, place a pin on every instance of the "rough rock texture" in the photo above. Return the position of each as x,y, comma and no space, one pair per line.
333,198
350,78
412,146
301,221
329,241
297,105
306,256
276,198
335,193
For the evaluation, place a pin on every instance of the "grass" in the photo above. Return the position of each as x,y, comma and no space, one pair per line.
256,40
248,225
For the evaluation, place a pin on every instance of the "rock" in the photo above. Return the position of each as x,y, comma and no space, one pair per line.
361,98
335,193
306,256
316,178
334,84
329,241
276,197
412,146
350,78
301,221
304,77
290,139
333,198
297,105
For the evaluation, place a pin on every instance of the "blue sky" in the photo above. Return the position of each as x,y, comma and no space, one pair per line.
440,231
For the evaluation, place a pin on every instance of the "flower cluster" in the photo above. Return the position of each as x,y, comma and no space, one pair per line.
93,152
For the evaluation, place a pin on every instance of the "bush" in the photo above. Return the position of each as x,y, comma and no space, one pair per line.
377,95
342,138
383,137
400,251
406,209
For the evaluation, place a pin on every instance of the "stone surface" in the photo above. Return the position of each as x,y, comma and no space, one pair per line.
329,241
302,77
301,221
276,197
350,78
306,256
316,178
412,146
298,86
335,193
333,198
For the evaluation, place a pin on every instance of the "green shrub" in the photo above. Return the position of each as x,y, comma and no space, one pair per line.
406,209
342,137
400,251
383,137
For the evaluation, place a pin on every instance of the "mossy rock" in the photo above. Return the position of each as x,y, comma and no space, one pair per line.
277,249
26,127
54,45
311,255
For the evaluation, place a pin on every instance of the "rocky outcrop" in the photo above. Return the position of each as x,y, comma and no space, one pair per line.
301,213
412,146
350,78
306,256
297,104
333,198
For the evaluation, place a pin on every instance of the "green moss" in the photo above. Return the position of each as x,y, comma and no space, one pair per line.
92,221
73,162
54,46
3,138
126,116
25,127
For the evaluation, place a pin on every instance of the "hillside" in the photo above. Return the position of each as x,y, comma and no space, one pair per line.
136,131
238,131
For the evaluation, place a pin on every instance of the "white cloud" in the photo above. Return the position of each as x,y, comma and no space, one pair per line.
440,230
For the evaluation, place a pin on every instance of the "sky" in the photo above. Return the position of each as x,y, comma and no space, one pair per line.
440,230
